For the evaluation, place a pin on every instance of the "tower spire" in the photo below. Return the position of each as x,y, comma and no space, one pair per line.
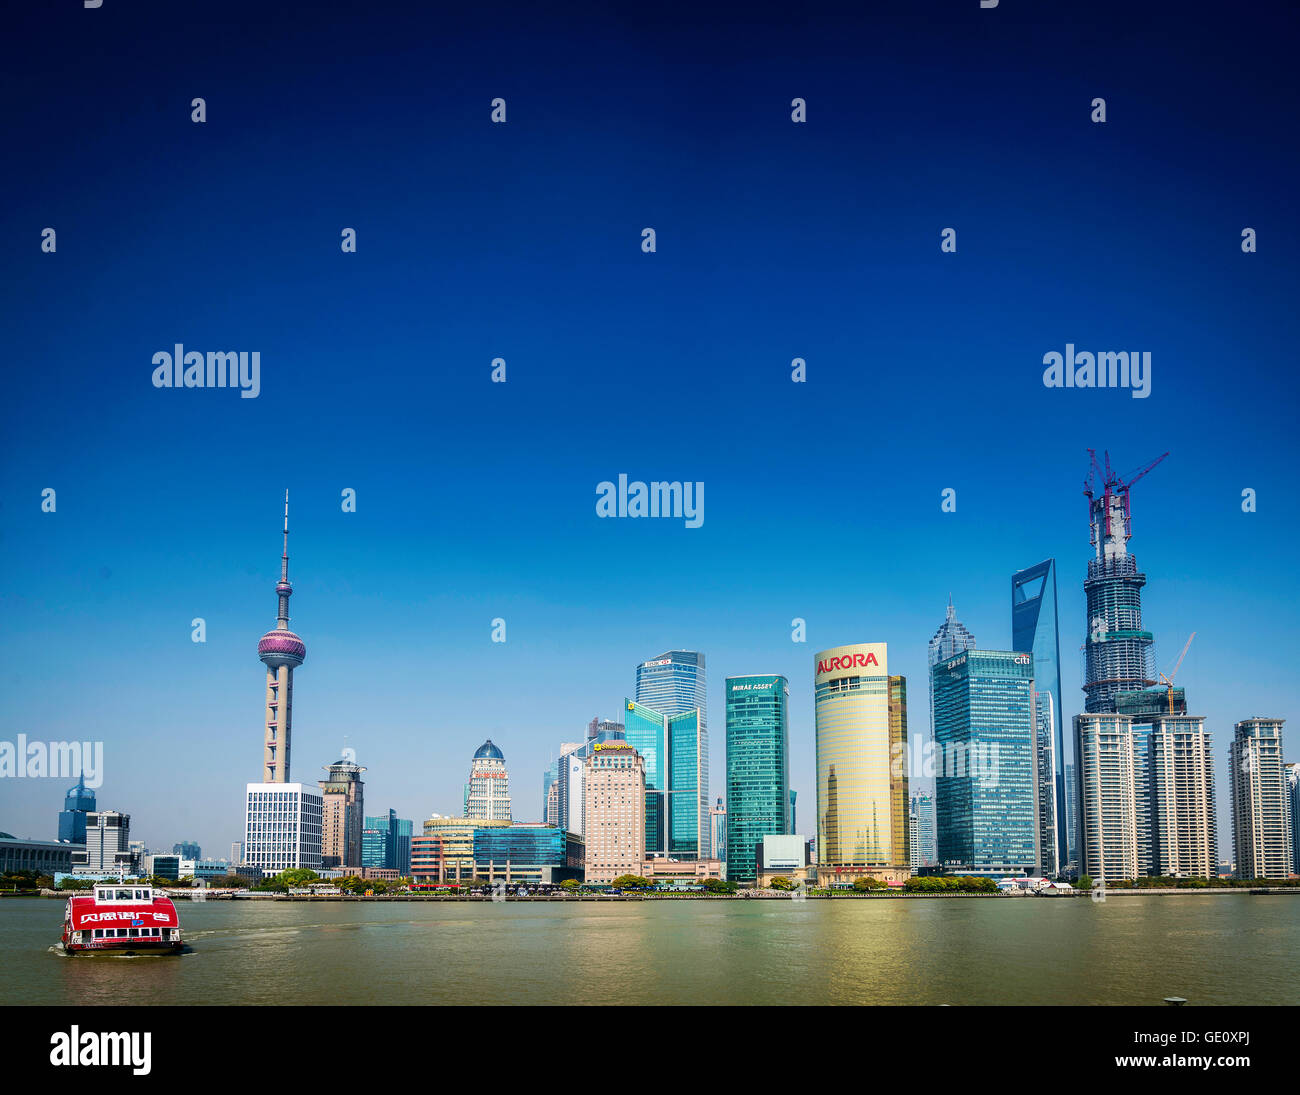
284,589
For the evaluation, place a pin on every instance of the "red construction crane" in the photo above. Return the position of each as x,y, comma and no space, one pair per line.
1112,484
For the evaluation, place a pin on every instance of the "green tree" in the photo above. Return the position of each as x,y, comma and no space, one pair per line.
631,882
719,885
866,883
780,882
570,885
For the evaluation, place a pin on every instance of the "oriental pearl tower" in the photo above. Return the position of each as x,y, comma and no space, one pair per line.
281,652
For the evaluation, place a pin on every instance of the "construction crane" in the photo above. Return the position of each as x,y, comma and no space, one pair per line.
1111,485
1169,680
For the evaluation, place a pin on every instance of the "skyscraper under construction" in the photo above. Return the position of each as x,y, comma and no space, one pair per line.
1117,657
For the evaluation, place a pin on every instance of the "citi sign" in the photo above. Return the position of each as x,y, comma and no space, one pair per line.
847,661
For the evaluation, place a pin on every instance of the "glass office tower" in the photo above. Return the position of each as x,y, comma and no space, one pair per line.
985,789
759,800
77,803
861,732
1034,630
674,684
647,733
677,818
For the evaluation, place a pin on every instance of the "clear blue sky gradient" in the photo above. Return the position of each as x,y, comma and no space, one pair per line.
477,500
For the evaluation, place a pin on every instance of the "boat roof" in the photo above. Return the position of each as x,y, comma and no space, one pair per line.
86,912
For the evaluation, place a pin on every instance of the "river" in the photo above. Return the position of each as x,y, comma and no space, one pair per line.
1235,949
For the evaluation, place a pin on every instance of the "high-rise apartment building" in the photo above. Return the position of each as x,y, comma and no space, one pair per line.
1184,827
343,793
758,768
487,795
986,788
1261,800
614,802
1108,813
862,795
1293,801
1035,630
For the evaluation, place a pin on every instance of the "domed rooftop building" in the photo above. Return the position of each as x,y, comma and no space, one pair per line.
487,795
487,749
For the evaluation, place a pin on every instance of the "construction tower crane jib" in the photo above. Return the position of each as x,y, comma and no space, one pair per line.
1110,516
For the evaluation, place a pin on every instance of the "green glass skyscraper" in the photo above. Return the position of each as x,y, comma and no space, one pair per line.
758,768
676,778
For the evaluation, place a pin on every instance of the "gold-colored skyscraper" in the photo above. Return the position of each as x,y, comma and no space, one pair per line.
862,793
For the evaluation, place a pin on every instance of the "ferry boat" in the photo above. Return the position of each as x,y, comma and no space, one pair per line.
121,918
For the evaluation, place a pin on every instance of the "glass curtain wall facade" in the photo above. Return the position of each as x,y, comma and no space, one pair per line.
1035,630
647,732
758,768
986,786
674,683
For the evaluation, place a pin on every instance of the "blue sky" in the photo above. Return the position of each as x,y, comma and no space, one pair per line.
522,241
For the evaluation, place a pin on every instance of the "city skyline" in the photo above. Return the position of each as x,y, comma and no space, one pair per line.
219,837
474,500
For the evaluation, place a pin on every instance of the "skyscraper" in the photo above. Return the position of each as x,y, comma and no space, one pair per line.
614,804
281,651
1035,630
1293,801
951,638
674,685
986,801
1261,800
77,803
719,817
922,822
861,732
1184,827
487,795
758,768
386,842
188,849
1046,796
108,844
1072,816
677,822
1117,650
343,812
1108,823
282,820
565,790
